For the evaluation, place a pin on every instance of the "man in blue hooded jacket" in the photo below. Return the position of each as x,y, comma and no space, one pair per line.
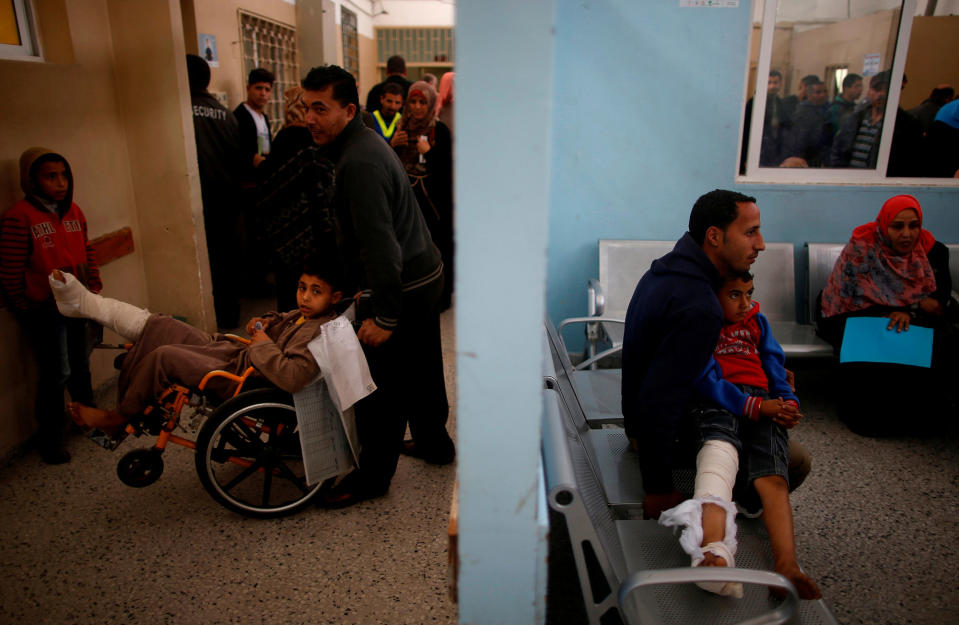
672,325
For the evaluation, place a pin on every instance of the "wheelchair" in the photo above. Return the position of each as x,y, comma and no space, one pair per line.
248,455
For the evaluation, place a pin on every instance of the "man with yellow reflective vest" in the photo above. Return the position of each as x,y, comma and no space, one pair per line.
388,115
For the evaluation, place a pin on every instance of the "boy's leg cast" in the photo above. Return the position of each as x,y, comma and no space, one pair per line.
709,517
74,300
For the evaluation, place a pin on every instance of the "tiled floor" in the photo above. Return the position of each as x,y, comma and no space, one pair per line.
877,525
78,546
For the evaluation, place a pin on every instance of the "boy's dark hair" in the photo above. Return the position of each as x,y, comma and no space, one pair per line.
198,73
394,88
850,80
325,268
775,72
716,208
810,79
343,83
396,65
745,276
259,74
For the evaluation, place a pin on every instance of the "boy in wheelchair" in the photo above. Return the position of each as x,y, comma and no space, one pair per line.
167,351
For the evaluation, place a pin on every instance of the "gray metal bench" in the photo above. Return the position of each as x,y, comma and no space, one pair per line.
632,570
623,262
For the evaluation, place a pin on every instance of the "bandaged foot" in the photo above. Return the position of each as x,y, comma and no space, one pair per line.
74,300
689,515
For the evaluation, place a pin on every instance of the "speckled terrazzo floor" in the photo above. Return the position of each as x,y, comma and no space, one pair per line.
877,521
78,546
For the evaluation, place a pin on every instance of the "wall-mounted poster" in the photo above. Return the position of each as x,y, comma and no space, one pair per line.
208,49
870,65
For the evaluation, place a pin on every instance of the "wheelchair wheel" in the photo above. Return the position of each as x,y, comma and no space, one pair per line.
248,456
140,467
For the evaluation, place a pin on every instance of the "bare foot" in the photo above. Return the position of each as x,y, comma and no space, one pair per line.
88,417
711,559
805,587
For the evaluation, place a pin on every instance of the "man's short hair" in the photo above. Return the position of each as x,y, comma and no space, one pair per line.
396,65
775,72
716,208
327,267
880,80
260,75
394,88
810,79
850,80
942,95
198,73
343,83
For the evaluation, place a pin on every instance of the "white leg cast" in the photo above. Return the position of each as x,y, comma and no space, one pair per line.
74,300
716,467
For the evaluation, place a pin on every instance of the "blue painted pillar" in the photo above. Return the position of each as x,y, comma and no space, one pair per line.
504,65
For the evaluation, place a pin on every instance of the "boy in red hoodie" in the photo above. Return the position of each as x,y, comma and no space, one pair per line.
751,405
42,232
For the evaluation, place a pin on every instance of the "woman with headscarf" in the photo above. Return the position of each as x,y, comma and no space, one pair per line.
294,194
892,268
425,147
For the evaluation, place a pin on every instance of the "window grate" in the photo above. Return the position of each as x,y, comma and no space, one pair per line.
270,45
415,45
351,48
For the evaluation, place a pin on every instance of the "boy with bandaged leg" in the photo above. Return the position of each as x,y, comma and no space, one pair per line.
751,404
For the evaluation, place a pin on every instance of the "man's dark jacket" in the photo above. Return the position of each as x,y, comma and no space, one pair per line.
217,147
672,326
385,241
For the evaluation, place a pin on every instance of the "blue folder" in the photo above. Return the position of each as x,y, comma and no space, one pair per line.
867,340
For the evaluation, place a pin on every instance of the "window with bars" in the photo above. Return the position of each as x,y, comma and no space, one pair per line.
270,45
418,46
351,47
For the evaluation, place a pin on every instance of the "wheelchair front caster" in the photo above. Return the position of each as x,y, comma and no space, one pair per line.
140,467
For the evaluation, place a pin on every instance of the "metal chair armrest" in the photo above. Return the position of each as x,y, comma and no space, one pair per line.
596,358
596,298
784,613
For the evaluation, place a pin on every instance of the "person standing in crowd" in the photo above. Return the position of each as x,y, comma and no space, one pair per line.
293,201
47,231
444,103
387,117
425,146
792,102
925,113
942,143
857,142
775,125
251,116
845,102
220,161
395,72
393,260
808,140
430,79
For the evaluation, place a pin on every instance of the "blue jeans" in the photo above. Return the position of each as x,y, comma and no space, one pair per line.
763,445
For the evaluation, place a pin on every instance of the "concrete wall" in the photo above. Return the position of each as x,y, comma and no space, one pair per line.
933,57
112,98
846,42
634,150
221,18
